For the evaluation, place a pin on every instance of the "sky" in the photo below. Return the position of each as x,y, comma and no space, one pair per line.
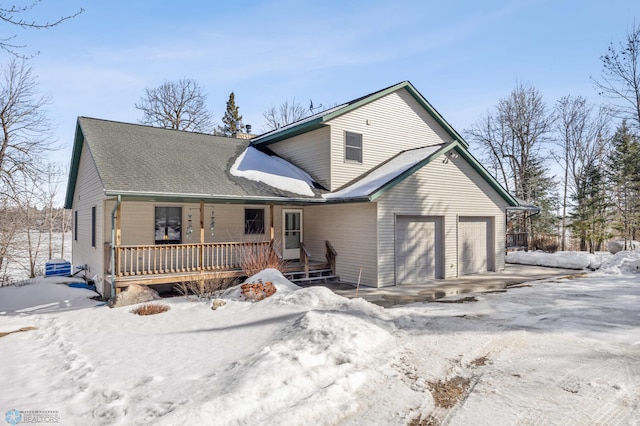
463,56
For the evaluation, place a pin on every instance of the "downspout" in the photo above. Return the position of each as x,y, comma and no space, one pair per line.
113,246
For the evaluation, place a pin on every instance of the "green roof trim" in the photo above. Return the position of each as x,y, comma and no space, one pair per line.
330,114
193,198
75,164
462,151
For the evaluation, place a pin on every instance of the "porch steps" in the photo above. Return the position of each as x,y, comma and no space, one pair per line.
298,277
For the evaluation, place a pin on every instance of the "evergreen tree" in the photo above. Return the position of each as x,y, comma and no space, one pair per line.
624,178
232,120
591,215
541,189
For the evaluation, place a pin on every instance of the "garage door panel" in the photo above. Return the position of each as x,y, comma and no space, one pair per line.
417,248
474,244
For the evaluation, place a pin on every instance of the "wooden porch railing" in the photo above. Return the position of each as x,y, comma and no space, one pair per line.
331,255
518,239
304,258
134,260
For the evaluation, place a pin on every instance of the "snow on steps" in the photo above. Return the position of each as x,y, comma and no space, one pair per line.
314,275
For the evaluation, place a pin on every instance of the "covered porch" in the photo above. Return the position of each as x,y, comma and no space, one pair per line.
167,261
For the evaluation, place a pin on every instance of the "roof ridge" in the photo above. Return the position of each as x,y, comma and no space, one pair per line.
154,127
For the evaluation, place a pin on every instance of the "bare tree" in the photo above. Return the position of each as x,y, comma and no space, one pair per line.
179,105
286,113
26,131
14,16
512,138
581,139
49,189
620,77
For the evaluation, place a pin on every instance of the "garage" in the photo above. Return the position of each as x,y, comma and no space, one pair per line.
418,249
475,242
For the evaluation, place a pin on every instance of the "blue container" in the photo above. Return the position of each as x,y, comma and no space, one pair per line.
57,267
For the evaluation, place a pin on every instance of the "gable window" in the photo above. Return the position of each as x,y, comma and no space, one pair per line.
168,225
75,225
93,226
254,221
353,147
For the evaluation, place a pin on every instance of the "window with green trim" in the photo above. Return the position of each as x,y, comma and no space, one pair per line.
353,146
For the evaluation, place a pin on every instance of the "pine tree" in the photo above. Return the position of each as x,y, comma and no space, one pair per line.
624,177
232,120
591,215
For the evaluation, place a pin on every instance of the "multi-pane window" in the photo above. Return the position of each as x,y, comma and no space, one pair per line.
168,225
254,221
353,146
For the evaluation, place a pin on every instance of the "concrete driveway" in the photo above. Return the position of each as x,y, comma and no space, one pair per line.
513,275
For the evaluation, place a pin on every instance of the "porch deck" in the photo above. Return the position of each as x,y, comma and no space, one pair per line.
176,263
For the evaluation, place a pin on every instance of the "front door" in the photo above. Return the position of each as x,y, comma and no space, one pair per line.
292,233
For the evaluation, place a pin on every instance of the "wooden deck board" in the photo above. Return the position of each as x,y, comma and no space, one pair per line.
152,279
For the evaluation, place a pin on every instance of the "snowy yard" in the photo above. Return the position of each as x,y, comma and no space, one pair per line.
565,351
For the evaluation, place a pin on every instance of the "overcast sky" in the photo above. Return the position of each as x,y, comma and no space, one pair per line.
461,55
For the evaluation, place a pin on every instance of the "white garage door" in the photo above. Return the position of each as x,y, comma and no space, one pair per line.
418,248
474,245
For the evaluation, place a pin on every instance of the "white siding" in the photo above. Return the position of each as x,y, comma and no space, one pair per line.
310,152
351,229
449,190
138,222
88,193
391,124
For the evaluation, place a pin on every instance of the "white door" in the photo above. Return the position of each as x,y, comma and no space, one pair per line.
418,247
291,233
474,245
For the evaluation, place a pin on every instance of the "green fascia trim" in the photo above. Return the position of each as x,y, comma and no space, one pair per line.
75,164
462,151
291,132
193,198
488,177
320,121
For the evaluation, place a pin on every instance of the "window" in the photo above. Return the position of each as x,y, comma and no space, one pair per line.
75,225
353,147
254,221
168,225
93,226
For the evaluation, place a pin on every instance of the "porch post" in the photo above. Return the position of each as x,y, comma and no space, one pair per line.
271,230
201,247
118,226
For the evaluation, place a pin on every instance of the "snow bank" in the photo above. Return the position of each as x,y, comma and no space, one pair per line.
622,263
41,295
274,171
563,259
272,275
135,294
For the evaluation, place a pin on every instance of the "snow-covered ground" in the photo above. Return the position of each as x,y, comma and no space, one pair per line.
564,351
17,266
561,259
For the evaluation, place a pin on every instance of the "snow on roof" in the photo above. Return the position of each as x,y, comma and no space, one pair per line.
274,171
383,174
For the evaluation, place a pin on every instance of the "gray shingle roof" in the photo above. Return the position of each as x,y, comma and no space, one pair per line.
144,160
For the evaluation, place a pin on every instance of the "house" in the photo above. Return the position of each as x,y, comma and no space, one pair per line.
381,186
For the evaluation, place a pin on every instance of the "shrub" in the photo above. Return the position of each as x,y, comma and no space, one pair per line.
150,309
254,260
209,288
546,243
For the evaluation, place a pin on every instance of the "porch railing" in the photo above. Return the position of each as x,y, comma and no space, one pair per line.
178,258
518,239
